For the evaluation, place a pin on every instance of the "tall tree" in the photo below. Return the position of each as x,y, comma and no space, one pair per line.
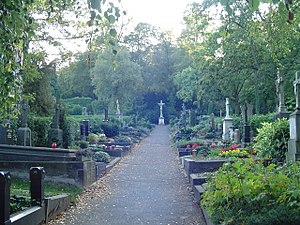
116,77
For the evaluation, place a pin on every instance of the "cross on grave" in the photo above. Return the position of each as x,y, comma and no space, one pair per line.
25,108
161,120
160,107
296,90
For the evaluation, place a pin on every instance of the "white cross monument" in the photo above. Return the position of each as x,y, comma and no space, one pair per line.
161,120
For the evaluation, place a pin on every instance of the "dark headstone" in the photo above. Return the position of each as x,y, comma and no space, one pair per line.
5,198
6,133
84,129
37,175
24,132
55,134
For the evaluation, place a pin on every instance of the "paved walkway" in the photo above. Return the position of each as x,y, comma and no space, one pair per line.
147,187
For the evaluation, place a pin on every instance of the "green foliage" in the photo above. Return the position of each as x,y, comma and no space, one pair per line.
74,105
39,130
101,157
246,192
272,140
110,129
18,203
256,121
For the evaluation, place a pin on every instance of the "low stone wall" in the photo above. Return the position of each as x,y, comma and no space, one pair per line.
79,173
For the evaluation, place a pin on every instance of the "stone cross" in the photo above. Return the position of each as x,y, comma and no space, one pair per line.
24,114
118,107
55,122
227,108
160,107
296,90
280,93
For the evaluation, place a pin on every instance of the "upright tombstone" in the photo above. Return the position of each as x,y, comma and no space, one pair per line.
212,122
293,153
24,132
246,128
282,111
161,119
227,123
118,111
84,129
84,111
55,134
6,133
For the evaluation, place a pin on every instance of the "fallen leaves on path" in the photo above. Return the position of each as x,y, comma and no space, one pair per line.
99,190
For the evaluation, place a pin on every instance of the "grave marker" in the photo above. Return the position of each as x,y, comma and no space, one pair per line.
282,111
161,120
227,123
24,132
293,153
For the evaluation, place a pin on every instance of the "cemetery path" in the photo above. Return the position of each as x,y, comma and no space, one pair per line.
146,187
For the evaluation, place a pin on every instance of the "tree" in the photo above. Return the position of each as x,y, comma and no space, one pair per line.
23,22
116,77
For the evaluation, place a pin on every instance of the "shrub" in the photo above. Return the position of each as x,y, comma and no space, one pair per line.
83,144
272,140
256,121
101,157
248,193
110,129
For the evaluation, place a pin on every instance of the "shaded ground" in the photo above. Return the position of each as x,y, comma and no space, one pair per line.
147,187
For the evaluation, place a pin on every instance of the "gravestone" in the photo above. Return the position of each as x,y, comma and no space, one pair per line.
161,120
118,111
84,111
24,132
246,128
84,129
237,136
55,134
293,153
282,111
212,122
227,123
6,133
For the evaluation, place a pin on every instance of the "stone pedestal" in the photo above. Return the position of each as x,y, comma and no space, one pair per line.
282,114
227,128
161,121
24,136
293,153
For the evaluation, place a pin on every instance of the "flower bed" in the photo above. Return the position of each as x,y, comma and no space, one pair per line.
246,192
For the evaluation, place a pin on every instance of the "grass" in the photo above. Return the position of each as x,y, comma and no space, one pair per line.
20,187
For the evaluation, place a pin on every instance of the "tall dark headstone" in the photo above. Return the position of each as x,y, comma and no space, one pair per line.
246,128
24,132
55,134
84,129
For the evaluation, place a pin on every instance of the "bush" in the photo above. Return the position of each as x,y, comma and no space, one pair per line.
248,193
101,157
110,129
256,121
272,140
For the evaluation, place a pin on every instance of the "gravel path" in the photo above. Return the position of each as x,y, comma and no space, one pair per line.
146,187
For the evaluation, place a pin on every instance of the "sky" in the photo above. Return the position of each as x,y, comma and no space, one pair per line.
164,14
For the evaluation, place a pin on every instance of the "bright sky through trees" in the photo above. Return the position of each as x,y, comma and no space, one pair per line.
164,14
